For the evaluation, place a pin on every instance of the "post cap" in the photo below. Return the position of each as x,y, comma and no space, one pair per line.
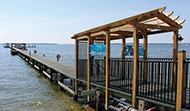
182,51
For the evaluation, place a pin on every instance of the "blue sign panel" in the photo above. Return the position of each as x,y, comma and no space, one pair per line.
129,50
98,50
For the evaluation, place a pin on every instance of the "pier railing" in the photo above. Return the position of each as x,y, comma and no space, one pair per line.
82,69
158,84
121,75
187,85
156,80
98,71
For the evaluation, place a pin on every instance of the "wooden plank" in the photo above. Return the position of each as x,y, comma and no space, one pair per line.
180,80
89,67
175,56
135,66
107,92
66,88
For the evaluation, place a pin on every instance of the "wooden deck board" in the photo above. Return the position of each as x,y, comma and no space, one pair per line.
65,69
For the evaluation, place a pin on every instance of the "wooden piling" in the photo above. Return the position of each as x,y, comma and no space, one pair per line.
180,80
76,69
89,67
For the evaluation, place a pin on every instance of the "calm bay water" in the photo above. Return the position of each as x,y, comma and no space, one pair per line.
24,88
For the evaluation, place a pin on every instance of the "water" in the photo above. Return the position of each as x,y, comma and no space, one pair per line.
24,88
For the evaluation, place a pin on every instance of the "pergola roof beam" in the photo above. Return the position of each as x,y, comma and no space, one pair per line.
180,22
149,26
162,22
140,17
155,18
168,21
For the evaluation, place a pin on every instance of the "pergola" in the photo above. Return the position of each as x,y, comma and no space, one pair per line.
148,23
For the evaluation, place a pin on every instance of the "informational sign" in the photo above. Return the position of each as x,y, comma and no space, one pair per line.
129,50
98,50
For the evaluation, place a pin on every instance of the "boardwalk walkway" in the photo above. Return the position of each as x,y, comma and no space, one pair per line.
65,69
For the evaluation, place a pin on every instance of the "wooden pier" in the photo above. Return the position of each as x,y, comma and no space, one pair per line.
161,82
49,67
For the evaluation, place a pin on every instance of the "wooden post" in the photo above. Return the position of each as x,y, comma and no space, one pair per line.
123,58
89,67
145,51
107,98
135,66
175,56
76,69
180,80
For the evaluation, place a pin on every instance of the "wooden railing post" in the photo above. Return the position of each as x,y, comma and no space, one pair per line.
89,67
107,98
180,80
123,58
135,66
76,69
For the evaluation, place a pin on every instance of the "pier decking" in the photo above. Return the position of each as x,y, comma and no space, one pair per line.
66,69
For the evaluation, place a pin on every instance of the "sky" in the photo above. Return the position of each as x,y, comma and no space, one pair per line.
56,21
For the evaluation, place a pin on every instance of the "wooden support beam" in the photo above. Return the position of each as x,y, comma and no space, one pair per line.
89,67
107,92
82,37
135,66
175,56
66,88
76,68
149,26
145,53
88,92
180,80
123,58
122,32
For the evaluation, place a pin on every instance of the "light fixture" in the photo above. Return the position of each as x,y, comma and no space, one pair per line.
139,35
179,37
